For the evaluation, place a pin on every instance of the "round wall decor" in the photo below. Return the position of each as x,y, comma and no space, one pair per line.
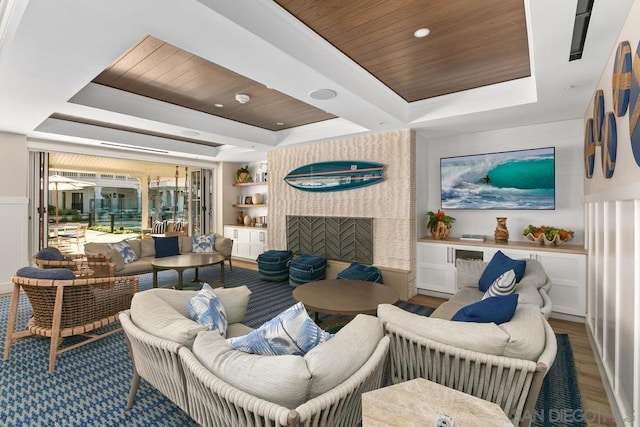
589,149
621,78
634,108
609,145
598,116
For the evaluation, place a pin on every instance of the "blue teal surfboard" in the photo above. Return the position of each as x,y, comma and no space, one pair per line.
335,176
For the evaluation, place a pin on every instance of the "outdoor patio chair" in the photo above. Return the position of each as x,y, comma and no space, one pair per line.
64,308
74,233
82,265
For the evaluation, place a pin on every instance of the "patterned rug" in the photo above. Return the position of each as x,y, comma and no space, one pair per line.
91,384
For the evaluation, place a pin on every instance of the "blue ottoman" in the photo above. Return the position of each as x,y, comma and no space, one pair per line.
306,268
273,266
357,271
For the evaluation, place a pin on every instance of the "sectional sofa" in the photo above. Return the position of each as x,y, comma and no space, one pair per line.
145,252
217,385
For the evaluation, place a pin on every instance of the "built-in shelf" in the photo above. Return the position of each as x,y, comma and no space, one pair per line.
250,205
248,184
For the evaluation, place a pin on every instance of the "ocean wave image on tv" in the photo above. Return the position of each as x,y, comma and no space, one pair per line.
510,180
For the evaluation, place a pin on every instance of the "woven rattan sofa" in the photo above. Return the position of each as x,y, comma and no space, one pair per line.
504,364
219,386
63,308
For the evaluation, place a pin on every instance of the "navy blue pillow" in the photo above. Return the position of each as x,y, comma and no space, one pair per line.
50,254
493,309
361,272
166,246
46,273
500,264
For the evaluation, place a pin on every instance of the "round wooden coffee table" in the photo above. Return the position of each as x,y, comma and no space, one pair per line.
344,297
180,263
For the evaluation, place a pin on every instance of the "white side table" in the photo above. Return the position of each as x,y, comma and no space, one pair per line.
418,402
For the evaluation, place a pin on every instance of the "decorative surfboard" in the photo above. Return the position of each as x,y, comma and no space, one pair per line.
589,149
634,107
335,176
598,116
609,145
621,78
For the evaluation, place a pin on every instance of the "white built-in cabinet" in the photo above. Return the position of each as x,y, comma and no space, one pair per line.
565,266
248,242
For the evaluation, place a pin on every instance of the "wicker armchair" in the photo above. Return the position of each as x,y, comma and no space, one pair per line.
84,266
63,308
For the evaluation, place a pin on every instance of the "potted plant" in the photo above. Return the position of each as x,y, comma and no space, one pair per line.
243,175
439,224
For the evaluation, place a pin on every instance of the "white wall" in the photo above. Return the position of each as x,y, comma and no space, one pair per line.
565,136
14,205
612,213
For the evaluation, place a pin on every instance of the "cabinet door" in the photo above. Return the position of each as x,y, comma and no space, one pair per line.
244,243
232,233
436,268
568,276
258,242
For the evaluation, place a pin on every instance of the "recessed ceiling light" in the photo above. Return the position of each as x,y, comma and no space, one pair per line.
280,124
323,94
218,105
421,33
569,87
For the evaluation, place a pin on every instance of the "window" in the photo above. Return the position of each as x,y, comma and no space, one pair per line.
76,201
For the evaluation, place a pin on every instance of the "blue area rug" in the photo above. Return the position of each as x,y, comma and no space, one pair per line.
91,384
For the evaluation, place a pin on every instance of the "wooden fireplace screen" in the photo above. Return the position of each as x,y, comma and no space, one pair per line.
339,238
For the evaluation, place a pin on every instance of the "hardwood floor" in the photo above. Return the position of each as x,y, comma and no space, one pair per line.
594,398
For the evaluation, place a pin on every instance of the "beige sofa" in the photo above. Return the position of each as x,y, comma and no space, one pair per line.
145,250
504,363
218,385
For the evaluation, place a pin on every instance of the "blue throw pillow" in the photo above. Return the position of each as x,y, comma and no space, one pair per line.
127,252
203,244
494,309
358,271
206,309
500,264
50,254
46,273
166,246
290,332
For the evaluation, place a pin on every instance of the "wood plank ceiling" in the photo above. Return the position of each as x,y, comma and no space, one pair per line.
158,70
472,43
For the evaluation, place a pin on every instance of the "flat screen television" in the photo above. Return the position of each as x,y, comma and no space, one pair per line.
522,179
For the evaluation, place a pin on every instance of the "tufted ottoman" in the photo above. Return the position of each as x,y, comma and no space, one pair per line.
357,271
306,268
273,265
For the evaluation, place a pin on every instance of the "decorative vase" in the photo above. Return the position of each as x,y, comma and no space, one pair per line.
257,199
242,177
247,220
441,232
240,218
501,234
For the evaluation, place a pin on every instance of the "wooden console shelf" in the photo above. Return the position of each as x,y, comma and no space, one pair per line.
250,206
248,184
519,245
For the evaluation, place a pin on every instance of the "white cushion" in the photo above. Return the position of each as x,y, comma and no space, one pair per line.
526,333
155,316
481,337
283,380
332,362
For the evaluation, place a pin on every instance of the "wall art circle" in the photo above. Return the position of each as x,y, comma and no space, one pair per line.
621,78
589,149
598,116
609,145
634,107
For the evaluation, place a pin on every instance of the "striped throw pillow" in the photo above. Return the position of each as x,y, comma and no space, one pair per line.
505,284
159,227
178,226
